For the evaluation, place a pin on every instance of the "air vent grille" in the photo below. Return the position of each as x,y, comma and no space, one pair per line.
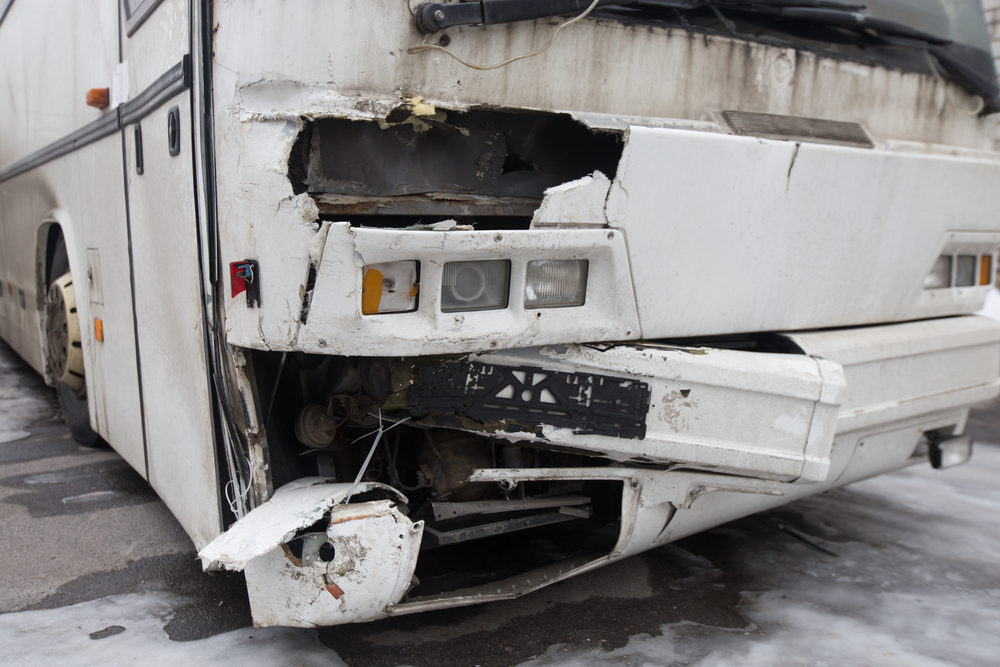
796,128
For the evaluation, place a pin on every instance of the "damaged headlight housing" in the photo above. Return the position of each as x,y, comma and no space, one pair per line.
555,283
482,285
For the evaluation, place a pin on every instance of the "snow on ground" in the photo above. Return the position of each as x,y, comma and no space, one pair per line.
916,582
132,629
991,308
19,407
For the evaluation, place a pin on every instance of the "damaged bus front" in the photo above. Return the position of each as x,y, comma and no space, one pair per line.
491,322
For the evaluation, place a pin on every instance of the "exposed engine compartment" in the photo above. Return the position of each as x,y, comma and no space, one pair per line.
346,419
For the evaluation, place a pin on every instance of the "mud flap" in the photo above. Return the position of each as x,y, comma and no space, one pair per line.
367,571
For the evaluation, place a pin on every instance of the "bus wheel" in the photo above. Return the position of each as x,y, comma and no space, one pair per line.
65,353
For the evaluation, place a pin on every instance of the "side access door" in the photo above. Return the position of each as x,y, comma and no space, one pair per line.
166,247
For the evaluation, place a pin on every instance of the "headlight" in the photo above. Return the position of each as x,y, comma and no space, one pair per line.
965,271
555,283
481,285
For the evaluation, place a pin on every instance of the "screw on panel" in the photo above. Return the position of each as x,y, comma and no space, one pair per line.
498,238
493,343
611,235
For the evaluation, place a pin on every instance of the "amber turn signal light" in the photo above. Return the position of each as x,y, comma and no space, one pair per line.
371,292
98,98
99,329
986,270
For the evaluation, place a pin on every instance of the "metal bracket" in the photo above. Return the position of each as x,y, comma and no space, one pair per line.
585,402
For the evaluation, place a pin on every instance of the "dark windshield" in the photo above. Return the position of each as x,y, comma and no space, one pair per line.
898,34
961,21
946,37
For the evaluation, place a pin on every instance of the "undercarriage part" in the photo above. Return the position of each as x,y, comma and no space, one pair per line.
481,542
436,538
584,402
451,457
314,427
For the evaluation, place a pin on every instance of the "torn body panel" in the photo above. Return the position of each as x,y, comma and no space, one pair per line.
366,568
487,471
669,256
363,191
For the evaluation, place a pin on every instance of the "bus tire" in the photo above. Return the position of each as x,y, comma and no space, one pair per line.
65,352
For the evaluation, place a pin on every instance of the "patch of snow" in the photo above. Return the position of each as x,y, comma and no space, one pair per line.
991,307
916,583
67,640
19,407
13,436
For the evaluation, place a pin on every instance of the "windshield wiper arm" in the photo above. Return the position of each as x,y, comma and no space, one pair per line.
435,16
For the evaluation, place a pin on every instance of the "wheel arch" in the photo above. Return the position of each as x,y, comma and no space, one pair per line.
53,226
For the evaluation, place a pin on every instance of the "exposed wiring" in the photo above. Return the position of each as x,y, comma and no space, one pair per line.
364,466
947,91
424,46
274,391
351,412
393,470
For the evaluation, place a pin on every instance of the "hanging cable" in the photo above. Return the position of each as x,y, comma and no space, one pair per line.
424,46
947,91
364,466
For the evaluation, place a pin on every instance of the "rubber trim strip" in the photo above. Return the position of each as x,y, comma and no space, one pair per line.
173,81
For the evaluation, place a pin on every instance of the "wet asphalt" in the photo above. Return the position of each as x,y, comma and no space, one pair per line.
78,524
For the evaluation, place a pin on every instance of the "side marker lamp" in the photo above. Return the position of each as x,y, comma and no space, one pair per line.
986,270
951,452
390,287
483,285
555,283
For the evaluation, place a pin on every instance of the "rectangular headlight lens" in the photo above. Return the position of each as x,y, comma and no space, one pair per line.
965,271
940,275
481,285
555,283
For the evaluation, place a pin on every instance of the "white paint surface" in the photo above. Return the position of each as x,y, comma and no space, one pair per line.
19,408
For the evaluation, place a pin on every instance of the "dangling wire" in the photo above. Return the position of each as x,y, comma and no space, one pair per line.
368,458
424,46
947,91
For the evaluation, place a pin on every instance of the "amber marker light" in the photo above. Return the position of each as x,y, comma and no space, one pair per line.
371,292
98,329
986,270
98,98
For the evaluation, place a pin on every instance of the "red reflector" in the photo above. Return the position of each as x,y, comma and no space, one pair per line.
237,271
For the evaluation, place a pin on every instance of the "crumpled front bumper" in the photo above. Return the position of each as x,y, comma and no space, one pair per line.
370,566
854,403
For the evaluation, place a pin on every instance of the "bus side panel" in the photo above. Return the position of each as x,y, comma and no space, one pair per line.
45,75
100,265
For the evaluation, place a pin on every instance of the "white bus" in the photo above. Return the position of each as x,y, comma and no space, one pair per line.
402,305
